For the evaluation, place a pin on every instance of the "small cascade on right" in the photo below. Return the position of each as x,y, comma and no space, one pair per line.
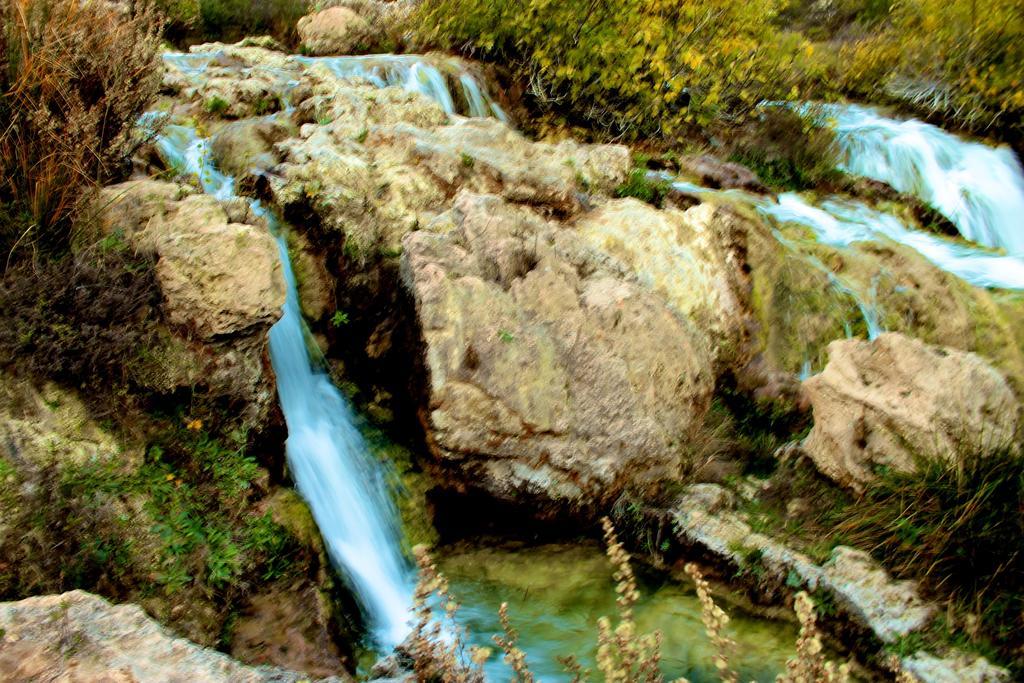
977,187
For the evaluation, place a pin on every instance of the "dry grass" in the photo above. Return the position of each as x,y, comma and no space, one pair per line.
74,80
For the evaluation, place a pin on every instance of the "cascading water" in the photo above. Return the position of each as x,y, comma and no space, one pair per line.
979,188
327,456
840,222
432,76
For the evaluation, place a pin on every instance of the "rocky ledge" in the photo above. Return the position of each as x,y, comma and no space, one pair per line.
78,636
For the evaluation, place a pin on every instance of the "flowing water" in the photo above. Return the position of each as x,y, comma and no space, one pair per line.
443,79
327,457
978,187
557,592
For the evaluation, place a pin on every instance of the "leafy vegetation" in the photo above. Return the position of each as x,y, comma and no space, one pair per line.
232,20
788,149
74,79
630,67
640,185
78,318
181,523
962,61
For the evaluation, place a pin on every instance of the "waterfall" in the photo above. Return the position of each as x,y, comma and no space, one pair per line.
977,187
432,76
327,456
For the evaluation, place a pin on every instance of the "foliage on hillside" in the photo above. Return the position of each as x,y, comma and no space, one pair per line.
961,60
74,79
231,20
631,67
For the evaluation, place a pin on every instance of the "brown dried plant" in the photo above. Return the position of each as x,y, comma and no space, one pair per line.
74,80
623,654
437,645
809,665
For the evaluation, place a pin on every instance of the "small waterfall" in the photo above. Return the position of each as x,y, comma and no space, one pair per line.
840,222
446,81
977,187
327,456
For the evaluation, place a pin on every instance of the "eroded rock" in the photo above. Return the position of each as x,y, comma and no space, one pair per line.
892,402
546,373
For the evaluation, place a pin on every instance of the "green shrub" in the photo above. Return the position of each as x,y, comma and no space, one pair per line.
231,20
640,186
633,67
78,318
961,60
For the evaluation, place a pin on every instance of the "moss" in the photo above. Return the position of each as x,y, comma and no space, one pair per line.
799,308
291,512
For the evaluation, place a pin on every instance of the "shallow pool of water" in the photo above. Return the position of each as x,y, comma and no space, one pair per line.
556,593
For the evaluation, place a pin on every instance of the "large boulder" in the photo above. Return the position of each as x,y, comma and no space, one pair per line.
220,278
200,248
548,374
891,402
693,259
333,31
78,636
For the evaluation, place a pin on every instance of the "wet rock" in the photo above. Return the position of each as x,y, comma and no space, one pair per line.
199,253
218,312
333,31
245,147
890,402
890,608
712,172
548,374
78,636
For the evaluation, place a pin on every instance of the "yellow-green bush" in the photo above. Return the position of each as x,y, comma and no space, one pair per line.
633,67
962,60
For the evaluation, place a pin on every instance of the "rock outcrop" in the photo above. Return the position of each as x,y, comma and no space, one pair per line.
548,374
210,302
333,31
78,636
896,401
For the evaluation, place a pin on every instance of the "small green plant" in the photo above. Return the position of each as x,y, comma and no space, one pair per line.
339,318
640,185
216,106
363,134
468,161
506,337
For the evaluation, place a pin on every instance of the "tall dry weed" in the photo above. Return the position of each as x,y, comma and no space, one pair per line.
74,79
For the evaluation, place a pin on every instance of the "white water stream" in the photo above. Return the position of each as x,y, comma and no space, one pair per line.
332,467
979,188
443,79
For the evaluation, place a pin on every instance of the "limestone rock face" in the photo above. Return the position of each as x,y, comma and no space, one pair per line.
77,637
220,276
333,31
693,259
374,163
889,402
548,374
